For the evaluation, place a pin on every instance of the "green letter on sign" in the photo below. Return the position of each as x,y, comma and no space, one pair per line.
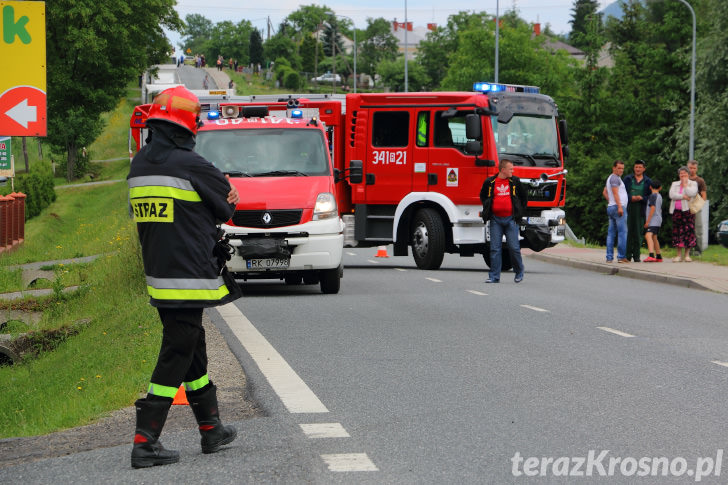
11,28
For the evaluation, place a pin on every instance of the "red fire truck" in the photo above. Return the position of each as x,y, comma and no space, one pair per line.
407,167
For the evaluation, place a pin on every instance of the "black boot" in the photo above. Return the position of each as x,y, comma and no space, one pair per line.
148,451
214,433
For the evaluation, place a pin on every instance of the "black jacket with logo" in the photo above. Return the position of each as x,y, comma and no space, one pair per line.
519,198
177,198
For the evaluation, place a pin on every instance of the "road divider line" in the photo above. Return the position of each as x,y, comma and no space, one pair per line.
434,280
351,254
400,269
475,292
616,332
535,308
724,364
372,261
324,430
296,396
349,462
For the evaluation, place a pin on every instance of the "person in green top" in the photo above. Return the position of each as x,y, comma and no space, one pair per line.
637,185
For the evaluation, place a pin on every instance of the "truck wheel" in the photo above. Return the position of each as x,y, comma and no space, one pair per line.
330,281
428,239
505,259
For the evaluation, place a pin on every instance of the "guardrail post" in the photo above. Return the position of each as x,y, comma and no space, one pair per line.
8,222
3,217
14,219
20,207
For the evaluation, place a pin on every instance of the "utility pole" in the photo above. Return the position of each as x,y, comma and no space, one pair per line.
406,75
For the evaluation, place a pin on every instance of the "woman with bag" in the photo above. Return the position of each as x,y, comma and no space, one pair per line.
683,221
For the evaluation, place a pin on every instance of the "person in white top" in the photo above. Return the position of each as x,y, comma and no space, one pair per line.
616,194
683,221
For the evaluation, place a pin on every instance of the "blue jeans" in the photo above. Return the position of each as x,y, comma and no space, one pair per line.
498,227
617,227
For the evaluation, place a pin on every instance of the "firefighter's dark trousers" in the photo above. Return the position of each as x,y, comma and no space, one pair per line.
183,354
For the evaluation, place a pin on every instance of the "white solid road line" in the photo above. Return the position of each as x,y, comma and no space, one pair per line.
616,332
372,261
475,292
324,430
534,308
349,462
434,280
295,394
400,269
351,254
724,364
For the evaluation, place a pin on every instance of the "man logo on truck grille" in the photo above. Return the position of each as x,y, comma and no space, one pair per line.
267,217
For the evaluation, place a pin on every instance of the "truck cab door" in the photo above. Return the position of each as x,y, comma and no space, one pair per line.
389,163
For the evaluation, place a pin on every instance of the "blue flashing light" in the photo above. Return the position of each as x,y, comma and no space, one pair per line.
483,87
213,115
297,113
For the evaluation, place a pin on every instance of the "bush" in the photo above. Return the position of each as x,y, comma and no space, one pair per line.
38,188
291,79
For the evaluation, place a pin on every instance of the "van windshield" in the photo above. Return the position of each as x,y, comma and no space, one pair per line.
265,152
527,140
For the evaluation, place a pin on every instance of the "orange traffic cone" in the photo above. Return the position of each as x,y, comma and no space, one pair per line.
382,252
181,398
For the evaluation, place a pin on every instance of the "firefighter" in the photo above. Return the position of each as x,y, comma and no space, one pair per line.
177,198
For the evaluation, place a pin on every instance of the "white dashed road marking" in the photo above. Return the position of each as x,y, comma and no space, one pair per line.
324,430
349,462
616,332
400,269
295,394
372,261
724,364
479,293
434,280
534,308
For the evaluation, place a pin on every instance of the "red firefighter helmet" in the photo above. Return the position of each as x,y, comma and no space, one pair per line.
176,105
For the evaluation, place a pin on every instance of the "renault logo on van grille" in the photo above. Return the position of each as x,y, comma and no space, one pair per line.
267,217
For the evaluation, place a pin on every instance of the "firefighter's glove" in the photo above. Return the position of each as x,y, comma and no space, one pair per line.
223,251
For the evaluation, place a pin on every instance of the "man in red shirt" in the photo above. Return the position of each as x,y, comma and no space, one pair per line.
504,203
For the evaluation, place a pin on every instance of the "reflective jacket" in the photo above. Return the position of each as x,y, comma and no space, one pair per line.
177,198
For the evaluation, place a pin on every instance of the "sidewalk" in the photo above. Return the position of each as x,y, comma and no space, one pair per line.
705,276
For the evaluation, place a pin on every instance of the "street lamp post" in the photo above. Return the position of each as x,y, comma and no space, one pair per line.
692,88
497,35
354,27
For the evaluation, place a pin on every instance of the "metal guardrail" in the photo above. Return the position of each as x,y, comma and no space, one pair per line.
12,221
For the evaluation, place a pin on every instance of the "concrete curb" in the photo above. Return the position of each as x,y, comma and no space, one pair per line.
613,269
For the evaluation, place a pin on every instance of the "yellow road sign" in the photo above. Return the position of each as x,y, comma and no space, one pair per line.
23,55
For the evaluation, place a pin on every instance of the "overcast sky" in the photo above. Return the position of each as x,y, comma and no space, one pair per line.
557,13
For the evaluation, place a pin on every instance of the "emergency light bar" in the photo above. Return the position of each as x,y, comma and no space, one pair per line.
508,88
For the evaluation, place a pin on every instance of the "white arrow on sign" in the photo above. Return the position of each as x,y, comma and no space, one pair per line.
23,114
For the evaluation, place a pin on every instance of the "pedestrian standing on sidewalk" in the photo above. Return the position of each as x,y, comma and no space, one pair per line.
616,195
178,198
504,204
683,222
637,185
654,221
703,191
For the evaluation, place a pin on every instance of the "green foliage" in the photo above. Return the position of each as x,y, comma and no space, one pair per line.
379,44
311,52
38,188
292,80
392,73
584,15
230,40
94,49
281,46
197,31
255,48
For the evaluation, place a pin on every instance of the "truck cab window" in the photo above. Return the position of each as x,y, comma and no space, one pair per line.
450,132
390,129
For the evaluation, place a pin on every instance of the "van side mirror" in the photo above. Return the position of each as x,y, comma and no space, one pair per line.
504,116
473,147
356,171
563,132
473,127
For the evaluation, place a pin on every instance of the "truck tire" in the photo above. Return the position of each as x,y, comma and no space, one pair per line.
310,278
331,281
428,239
505,259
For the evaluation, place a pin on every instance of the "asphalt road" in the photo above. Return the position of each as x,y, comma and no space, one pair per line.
435,377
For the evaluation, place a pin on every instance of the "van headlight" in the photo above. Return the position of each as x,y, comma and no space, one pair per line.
325,207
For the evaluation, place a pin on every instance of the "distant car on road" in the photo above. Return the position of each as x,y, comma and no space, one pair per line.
327,78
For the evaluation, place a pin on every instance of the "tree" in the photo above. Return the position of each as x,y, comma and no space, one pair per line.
197,32
379,44
392,74
94,50
230,40
582,19
255,47
281,45
308,18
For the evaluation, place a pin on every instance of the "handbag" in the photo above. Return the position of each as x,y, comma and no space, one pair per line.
696,203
